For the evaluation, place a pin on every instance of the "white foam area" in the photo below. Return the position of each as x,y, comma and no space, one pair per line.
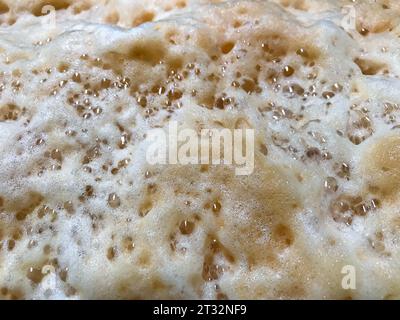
276,234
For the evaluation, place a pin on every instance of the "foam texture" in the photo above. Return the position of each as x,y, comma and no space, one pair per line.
78,198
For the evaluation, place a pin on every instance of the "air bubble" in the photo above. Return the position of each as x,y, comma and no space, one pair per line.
114,201
288,71
330,184
186,227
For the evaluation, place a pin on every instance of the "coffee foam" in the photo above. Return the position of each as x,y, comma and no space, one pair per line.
84,216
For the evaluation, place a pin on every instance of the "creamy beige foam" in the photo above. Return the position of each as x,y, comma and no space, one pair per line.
78,199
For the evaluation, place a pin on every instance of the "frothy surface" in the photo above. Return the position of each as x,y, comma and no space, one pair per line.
78,199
